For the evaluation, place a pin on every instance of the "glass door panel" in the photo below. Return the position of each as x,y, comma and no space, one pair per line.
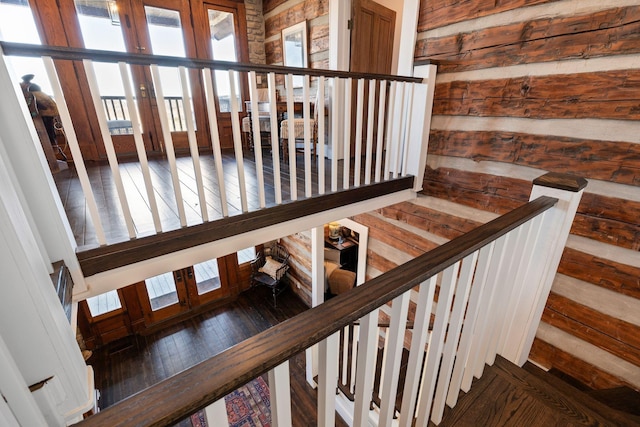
207,276
104,303
223,48
162,291
166,37
17,25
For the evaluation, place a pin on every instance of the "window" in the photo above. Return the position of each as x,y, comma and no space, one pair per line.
104,303
162,291
207,276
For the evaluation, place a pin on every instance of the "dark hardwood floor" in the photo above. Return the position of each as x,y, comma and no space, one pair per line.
128,366
103,186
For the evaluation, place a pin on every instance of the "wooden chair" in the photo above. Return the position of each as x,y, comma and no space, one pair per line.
269,267
264,120
298,130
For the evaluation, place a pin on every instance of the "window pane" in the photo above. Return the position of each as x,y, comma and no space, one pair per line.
17,25
246,255
165,33
162,291
207,276
104,303
223,47
101,30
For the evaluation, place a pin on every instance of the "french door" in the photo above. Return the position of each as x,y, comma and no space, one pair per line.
172,293
163,27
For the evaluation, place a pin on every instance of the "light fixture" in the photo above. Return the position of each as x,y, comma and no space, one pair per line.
112,7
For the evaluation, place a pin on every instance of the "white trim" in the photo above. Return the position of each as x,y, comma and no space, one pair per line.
601,299
524,14
589,353
124,276
593,129
571,66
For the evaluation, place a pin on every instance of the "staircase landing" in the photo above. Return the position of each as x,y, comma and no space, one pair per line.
507,395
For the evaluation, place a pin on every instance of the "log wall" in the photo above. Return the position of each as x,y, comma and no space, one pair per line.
528,87
280,14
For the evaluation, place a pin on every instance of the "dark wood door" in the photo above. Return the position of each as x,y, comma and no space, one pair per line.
221,34
372,37
371,52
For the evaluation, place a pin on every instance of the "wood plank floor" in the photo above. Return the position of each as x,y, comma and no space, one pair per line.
128,366
112,218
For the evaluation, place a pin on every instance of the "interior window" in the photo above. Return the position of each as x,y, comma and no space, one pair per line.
104,303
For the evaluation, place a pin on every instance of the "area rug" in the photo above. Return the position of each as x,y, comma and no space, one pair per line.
248,406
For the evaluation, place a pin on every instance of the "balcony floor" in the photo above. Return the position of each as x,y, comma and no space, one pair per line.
104,189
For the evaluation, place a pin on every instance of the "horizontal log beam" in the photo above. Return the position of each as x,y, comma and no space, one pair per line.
614,161
601,95
603,33
439,13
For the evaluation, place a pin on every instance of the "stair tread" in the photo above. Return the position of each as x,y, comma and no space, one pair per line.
560,395
507,395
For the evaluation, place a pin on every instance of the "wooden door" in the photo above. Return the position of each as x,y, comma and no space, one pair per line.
163,296
221,34
373,27
164,27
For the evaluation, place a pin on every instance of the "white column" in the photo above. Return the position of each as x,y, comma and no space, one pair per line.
33,181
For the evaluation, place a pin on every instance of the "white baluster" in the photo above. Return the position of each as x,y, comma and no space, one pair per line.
74,147
370,120
453,335
479,345
306,114
168,144
237,140
335,105
390,129
419,337
292,139
215,139
140,148
469,327
358,141
320,134
393,348
327,380
379,142
193,143
407,129
257,140
347,133
275,143
365,367
434,349
280,395
108,146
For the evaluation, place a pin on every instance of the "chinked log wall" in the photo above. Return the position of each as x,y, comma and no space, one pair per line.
527,87
280,14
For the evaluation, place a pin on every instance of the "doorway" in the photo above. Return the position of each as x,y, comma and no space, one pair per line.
179,28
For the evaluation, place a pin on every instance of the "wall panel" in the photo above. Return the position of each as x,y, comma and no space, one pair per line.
527,87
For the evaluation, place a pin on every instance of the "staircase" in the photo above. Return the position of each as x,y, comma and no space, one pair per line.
507,395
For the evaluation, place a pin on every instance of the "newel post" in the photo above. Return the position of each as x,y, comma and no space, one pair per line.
550,245
420,123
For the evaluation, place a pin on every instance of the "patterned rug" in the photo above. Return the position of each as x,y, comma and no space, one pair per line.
248,406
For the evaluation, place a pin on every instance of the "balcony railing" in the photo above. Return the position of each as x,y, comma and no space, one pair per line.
492,284
373,128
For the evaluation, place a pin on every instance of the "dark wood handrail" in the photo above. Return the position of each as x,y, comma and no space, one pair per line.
108,257
177,397
78,54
